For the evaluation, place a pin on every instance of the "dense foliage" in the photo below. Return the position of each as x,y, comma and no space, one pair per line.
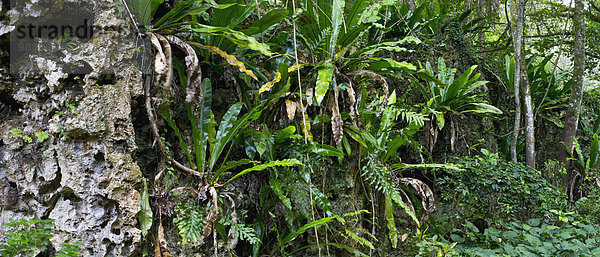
364,127
354,127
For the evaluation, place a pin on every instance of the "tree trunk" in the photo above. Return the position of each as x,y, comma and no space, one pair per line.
522,84
517,28
529,122
572,116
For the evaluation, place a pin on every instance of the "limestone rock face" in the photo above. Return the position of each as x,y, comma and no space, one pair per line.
79,92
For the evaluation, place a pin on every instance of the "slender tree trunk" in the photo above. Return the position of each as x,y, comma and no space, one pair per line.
529,122
522,86
572,116
517,28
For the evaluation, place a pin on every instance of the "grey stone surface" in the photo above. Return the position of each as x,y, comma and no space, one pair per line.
83,175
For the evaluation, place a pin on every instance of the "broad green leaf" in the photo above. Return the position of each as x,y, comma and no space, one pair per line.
337,19
284,134
324,79
317,223
439,118
143,10
236,37
366,136
594,152
355,12
392,98
321,200
180,11
275,185
265,22
206,126
393,146
225,133
400,65
356,137
145,216
391,223
325,150
165,112
459,84
286,162
397,199
232,164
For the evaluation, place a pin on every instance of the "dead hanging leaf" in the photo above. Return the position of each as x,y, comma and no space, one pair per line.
192,70
232,241
267,86
290,107
336,119
431,133
161,243
373,75
404,237
309,97
168,79
212,215
229,58
160,60
353,107
424,192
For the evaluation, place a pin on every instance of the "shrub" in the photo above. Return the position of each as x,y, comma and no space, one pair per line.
27,237
533,238
491,188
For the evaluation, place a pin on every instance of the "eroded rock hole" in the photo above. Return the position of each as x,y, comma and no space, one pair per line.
107,79
8,105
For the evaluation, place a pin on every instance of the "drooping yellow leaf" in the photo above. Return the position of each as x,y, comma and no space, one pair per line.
290,107
306,128
294,67
229,58
267,86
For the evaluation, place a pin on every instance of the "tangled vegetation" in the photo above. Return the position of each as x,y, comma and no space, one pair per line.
366,128
321,118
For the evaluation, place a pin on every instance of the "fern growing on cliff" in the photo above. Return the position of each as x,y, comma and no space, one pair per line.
190,222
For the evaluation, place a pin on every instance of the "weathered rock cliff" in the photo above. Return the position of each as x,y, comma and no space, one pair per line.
79,91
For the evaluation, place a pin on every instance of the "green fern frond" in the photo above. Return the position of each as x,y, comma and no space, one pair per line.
379,177
190,222
244,232
361,240
413,117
